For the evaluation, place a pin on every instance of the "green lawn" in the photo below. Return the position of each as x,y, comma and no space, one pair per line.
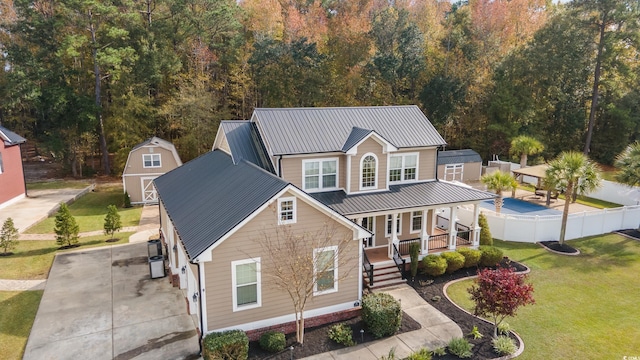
91,208
58,184
17,312
33,259
586,306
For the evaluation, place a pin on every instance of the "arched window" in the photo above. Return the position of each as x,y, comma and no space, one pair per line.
368,172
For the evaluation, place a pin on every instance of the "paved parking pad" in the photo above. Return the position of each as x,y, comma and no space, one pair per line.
102,304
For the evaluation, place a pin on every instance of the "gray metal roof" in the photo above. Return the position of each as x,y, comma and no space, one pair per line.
404,196
245,143
316,130
9,137
356,135
458,157
155,141
208,196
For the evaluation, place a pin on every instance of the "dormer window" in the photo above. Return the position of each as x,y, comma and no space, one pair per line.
368,172
320,174
403,168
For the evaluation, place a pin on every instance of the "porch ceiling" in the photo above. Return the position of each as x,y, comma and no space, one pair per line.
405,196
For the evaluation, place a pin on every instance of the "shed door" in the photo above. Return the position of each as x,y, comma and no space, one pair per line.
149,194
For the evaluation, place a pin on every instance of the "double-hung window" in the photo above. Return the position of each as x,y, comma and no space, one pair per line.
245,275
403,167
390,223
416,221
325,270
320,174
286,210
151,160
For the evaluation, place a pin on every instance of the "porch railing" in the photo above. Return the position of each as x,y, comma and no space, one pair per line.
440,241
404,245
400,262
464,235
368,267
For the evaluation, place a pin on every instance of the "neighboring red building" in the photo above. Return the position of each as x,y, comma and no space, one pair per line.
12,187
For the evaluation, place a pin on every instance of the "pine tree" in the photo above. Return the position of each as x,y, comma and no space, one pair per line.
66,227
112,221
8,236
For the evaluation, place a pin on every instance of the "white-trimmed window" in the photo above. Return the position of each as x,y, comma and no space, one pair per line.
398,224
369,172
320,174
286,210
453,172
325,270
151,160
416,221
247,286
403,167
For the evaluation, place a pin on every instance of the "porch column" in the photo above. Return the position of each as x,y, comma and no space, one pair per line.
475,230
393,240
424,236
453,233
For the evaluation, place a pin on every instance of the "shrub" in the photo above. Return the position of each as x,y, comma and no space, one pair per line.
434,265
226,345
8,236
66,227
273,341
127,200
471,256
112,222
504,328
460,347
490,256
485,233
475,333
455,261
504,345
422,354
440,351
342,334
381,314
414,252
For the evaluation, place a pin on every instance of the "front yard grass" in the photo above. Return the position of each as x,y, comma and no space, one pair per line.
90,210
32,259
58,184
586,306
17,313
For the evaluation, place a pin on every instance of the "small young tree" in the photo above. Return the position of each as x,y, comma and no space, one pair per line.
499,293
127,200
303,263
112,221
66,227
485,233
8,236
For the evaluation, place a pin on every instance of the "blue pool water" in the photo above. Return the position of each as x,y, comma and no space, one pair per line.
519,207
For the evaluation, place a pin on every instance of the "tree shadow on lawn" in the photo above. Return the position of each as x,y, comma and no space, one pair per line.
33,252
14,322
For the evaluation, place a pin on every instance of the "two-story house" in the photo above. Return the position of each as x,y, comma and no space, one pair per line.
370,172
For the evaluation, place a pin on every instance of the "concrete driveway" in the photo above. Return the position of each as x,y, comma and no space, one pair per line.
102,304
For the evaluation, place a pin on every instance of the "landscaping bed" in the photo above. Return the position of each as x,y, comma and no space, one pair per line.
482,348
316,340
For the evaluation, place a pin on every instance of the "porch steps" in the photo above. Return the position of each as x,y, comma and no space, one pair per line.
384,275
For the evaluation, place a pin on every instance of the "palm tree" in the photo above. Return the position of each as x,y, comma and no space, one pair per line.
498,182
524,146
572,172
628,164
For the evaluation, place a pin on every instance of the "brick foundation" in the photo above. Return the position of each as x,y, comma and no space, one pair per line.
290,327
175,280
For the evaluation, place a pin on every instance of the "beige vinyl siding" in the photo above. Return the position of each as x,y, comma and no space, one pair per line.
275,302
368,146
292,168
136,166
427,163
133,186
470,171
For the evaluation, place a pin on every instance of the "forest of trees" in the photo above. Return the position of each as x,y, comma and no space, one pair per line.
85,77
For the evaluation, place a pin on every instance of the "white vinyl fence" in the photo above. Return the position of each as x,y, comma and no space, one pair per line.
531,229
617,193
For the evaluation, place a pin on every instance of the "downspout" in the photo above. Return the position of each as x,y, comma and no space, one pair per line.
201,312
280,167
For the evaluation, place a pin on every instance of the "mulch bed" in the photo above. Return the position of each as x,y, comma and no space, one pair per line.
634,233
560,248
316,340
482,348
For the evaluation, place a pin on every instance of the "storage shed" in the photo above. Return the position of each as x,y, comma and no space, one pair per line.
12,186
148,160
459,165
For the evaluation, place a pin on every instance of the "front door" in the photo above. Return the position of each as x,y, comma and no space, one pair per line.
149,194
367,223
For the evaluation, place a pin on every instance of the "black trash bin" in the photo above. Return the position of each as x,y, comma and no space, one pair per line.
156,266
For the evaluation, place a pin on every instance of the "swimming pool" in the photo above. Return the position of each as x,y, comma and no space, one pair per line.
519,207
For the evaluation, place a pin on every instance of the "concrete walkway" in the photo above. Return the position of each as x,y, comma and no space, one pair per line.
437,330
22,285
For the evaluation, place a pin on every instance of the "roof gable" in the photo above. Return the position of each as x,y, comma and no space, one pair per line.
360,135
244,143
317,130
10,138
155,141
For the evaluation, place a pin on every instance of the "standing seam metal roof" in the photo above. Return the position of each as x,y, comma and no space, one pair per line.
458,156
209,196
156,141
10,138
245,143
403,196
316,130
